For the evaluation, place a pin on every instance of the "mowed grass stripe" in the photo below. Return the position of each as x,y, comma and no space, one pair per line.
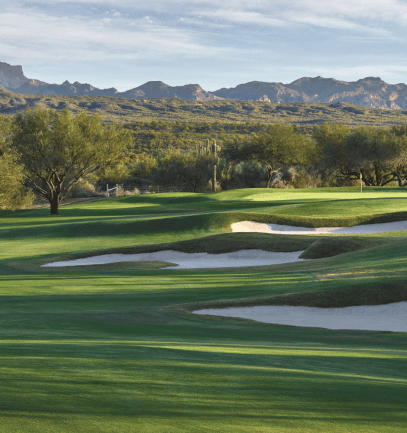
225,348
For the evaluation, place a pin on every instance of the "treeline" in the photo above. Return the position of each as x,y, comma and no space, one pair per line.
52,153
281,156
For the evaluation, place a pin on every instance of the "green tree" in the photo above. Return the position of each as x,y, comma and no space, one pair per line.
12,193
379,155
143,166
372,153
277,148
184,170
57,150
331,142
400,157
12,176
117,172
248,174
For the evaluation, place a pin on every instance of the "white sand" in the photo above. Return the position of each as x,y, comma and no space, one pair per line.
251,226
388,317
192,261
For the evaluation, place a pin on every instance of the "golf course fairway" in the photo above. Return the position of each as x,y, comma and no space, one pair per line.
116,347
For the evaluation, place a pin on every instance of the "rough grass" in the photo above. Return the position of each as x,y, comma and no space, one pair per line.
114,348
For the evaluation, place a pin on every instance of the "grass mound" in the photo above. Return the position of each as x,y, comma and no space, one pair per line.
378,292
329,247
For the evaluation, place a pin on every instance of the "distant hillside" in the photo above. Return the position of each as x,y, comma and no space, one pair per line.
122,110
368,92
258,90
158,89
371,92
12,78
36,87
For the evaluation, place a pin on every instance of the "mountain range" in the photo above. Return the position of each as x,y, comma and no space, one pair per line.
370,92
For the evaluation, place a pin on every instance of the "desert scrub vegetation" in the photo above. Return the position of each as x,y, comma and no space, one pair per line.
127,110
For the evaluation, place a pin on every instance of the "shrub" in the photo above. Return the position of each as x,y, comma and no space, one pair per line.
84,189
306,179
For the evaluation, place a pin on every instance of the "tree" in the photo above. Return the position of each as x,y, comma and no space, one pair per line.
5,129
331,141
373,153
277,148
57,150
400,158
12,194
144,166
116,172
378,155
184,170
330,138
248,174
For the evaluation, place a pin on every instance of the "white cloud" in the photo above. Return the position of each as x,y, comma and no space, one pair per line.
237,33
243,17
98,38
206,23
338,23
380,10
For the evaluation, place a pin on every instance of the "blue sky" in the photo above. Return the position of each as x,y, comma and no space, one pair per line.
124,43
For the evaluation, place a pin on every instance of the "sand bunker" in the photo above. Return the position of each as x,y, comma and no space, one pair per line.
191,261
251,226
388,317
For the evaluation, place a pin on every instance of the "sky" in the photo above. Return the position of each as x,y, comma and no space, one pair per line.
125,43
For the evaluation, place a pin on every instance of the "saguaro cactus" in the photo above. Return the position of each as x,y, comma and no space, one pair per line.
214,165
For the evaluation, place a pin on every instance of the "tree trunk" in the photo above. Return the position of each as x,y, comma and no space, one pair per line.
268,177
54,202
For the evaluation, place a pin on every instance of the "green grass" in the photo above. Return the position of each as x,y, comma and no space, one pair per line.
115,348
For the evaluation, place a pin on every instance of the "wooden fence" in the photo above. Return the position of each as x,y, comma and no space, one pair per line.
156,189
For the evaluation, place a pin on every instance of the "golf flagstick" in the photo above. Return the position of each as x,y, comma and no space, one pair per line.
361,182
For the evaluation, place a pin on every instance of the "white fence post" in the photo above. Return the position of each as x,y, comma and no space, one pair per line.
111,189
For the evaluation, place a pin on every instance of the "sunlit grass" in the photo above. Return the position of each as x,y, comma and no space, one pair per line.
115,348
207,386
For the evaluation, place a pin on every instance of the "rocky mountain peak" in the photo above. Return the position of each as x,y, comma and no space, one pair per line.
368,91
193,86
11,77
152,84
372,79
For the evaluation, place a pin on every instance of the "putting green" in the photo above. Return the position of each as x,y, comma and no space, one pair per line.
315,194
115,348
